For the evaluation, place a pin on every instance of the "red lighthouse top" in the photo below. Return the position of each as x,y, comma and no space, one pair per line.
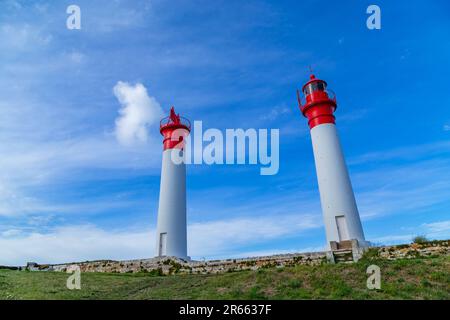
174,128
319,103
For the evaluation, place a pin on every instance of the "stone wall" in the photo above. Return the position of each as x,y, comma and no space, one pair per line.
415,250
172,265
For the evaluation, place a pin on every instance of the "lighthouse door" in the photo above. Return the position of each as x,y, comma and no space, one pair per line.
342,228
162,244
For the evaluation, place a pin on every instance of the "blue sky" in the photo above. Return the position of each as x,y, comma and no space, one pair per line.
70,191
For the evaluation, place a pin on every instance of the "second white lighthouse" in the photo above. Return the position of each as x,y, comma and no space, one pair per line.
171,231
340,213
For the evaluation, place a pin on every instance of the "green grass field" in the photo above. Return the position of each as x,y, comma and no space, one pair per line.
422,278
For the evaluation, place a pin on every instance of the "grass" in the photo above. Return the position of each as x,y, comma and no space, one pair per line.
421,278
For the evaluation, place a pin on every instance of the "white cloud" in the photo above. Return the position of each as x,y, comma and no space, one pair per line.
215,239
228,237
138,112
75,243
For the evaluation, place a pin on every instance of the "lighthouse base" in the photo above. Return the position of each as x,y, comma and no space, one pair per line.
347,250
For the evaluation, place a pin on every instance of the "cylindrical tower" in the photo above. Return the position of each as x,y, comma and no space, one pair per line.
341,217
171,231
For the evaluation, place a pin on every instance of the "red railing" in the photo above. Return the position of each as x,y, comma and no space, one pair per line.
180,121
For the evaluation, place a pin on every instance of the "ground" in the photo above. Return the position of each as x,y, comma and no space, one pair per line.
420,278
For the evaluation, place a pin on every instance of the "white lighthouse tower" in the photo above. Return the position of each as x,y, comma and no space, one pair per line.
340,213
171,229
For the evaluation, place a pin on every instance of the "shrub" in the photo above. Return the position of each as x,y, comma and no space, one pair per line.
370,254
156,272
175,267
425,283
420,239
256,294
250,263
294,284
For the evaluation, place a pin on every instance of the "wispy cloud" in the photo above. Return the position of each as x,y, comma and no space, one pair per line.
44,146
433,231
401,180
276,112
22,37
437,228
404,153
398,189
